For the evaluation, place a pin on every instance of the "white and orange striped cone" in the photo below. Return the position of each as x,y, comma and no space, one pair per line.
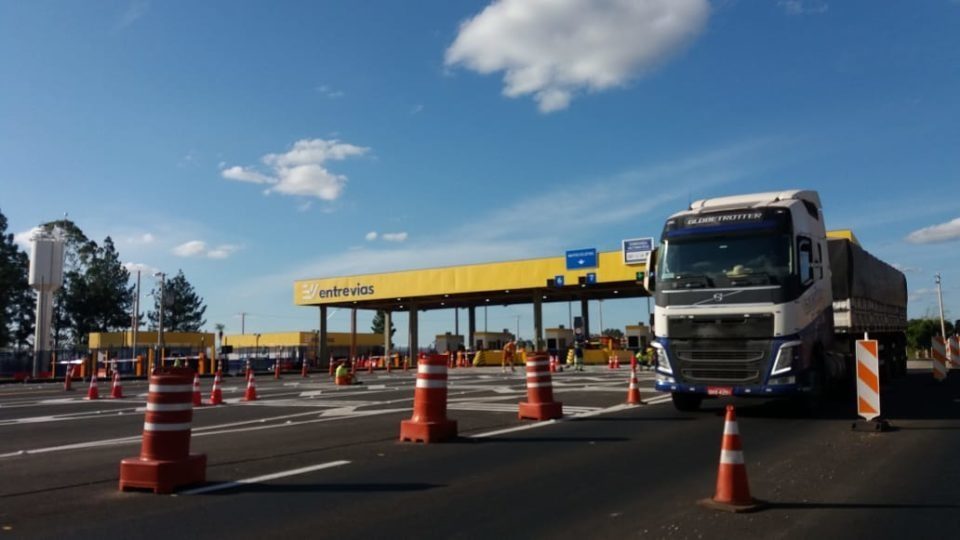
733,489
939,360
633,390
251,393
553,364
276,368
92,391
197,398
116,391
369,365
305,370
68,379
216,393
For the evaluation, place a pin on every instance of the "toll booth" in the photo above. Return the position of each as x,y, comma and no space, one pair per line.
638,336
449,343
559,339
491,340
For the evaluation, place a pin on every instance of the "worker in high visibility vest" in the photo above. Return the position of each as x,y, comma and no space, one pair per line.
508,351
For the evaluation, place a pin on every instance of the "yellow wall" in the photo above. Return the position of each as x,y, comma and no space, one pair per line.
298,339
474,278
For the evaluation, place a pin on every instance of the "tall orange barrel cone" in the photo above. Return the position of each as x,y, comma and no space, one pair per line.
305,370
216,394
68,379
251,393
276,368
197,398
92,391
116,390
429,422
331,366
165,462
733,490
633,391
540,404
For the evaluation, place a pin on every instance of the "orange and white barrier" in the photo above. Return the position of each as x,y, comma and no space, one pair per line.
251,393
92,391
954,351
540,404
733,489
429,422
116,390
868,379
165,462
939,358
197,397
633,390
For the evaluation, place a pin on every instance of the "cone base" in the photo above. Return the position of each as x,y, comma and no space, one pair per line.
162,476
540,411
738,508
92,396
116,395
633,398
216,400
427,432
250,397
872,426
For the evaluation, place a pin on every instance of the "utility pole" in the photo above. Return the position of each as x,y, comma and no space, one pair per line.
518,327
163,300
600,303
943,326
135,323
243,322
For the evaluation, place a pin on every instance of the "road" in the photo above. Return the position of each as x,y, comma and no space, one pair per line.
311,459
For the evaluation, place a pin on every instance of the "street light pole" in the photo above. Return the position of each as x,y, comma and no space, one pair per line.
163,299
943,326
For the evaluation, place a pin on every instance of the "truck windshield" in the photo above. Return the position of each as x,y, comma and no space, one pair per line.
725,261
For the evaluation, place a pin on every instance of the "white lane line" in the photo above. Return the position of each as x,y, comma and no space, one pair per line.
264,478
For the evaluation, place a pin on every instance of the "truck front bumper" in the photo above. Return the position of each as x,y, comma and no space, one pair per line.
788,386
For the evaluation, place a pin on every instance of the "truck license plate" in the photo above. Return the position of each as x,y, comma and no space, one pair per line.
719,391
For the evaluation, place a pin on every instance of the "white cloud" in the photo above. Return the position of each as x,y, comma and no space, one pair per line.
135,10
327,91
395,237
804,7
302,170
906,269
371,236
192,248
23,238
554,49
141,240
145,269
304,206
222,251
944,232
416,109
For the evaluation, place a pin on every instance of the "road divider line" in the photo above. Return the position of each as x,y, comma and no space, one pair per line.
264,478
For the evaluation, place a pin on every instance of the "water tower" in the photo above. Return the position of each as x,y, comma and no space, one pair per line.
46,276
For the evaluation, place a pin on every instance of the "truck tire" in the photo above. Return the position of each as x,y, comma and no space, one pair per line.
686,402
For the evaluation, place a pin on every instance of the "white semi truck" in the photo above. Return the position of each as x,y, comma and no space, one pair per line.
755,298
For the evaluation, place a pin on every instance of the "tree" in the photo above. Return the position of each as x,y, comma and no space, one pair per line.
614,333
17,301
97,296
78,250
920,332
377,325
183,310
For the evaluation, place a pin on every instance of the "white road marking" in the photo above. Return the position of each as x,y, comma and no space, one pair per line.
264,478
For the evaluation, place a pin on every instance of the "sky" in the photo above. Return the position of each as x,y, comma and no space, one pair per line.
254,143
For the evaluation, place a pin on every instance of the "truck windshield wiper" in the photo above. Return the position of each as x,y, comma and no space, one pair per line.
691,281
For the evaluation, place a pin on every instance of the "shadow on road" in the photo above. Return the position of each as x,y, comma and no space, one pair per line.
486,440
327,488
856,506
633,419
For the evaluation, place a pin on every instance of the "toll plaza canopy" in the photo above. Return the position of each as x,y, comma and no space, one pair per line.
603,275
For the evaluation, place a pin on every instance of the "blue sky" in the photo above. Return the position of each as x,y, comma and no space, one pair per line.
254,143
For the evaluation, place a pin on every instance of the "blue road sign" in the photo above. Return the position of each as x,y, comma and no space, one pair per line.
591,278
637,250
581,258
558,281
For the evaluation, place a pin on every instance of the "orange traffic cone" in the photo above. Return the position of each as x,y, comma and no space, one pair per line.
216,394
429,422
332,367
369,365
633,391
197,398
251,393
304,371
276,368
116,391
93,392
68,380
733,490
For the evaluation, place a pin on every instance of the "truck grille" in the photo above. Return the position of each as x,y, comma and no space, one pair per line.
727,362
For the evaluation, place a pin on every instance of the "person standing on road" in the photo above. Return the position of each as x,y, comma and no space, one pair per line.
578,354
508,352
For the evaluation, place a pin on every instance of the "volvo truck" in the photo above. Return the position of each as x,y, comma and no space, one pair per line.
755,298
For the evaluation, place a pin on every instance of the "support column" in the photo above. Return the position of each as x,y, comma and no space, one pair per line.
472,327
322,349
353,333
538,343
413,335
585,314
386,335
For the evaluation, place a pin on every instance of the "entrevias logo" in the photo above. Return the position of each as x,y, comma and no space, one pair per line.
313,290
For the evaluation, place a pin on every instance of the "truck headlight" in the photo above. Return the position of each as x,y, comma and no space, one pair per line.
663,361
789,352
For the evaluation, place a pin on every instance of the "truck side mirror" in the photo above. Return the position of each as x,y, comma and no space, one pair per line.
650,277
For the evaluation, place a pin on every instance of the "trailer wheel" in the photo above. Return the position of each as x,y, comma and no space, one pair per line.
686,402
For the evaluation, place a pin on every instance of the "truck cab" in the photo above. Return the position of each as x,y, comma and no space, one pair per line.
743,302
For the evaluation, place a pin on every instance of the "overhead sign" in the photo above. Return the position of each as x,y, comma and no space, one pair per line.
637,250
581,258
559,281
591,278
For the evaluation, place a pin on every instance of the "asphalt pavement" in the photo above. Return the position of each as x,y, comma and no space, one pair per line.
312,459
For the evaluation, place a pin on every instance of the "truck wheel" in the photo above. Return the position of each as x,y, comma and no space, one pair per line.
686,402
